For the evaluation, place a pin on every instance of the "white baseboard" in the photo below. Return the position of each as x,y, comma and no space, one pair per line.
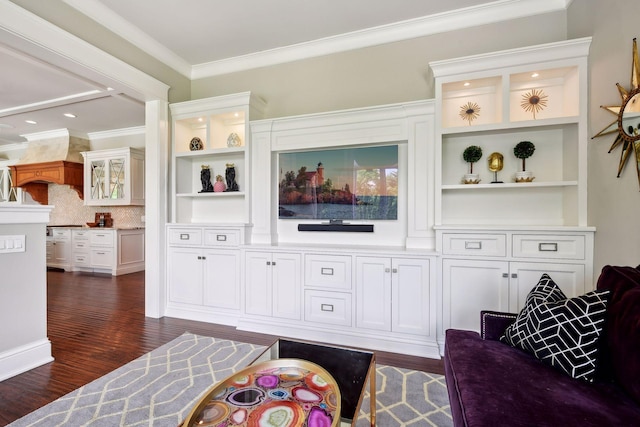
23,358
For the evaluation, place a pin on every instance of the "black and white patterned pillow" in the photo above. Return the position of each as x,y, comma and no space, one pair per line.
559,331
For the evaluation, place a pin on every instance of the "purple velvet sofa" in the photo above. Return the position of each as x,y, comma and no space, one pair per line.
493,384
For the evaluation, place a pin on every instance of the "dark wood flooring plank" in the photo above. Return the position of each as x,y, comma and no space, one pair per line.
96,323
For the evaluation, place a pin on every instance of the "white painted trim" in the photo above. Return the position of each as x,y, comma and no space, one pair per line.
23,358
100,13
114,133
501,10
25,214
31,28
555,51
47,134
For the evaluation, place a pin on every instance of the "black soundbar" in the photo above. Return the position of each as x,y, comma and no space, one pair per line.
359,228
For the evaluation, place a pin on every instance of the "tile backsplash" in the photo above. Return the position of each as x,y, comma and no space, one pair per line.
69,209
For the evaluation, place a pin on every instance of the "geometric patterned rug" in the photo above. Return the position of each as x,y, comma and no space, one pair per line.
161,387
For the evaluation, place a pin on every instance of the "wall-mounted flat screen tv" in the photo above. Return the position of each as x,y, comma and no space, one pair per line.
339,184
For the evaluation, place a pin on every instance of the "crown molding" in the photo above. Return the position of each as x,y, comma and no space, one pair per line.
116,133
497,11
23,27
97,11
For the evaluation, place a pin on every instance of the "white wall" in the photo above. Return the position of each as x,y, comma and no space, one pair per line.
614,203
23,292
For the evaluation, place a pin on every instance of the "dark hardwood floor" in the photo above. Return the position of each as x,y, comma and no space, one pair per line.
96,323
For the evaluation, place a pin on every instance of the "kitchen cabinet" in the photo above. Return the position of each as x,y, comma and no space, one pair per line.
59,248
273,284
114,177
395,295
108,250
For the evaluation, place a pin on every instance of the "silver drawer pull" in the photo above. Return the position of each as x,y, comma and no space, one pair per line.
100,253
326,307
221,237
548,247
473,245
100,235
184,236
326,271
505,275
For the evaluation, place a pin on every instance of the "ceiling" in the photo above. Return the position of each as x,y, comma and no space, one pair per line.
198,38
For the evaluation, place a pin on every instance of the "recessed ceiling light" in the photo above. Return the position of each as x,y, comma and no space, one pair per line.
534,75
199,119
467,84
236,114
70,115
31,122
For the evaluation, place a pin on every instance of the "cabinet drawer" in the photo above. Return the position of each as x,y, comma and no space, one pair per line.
101,238
81,260
221,237
328,271
61,235
80,234
185,236
80,246
328,307
102,258
550,246
474,244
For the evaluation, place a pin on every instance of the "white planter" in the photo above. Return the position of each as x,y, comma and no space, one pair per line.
524,176
471,178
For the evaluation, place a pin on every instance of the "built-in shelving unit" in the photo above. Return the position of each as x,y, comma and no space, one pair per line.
497,238
498,87
214,121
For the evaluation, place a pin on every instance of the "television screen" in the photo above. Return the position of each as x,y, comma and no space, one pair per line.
344,184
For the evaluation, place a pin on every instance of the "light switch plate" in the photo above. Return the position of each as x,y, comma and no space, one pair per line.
9,244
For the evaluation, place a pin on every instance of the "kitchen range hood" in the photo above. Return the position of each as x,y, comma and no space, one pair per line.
51,157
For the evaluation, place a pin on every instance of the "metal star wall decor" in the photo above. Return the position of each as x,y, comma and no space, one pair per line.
534,101
627,123
470,111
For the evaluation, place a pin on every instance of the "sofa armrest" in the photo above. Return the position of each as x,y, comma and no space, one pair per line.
493,324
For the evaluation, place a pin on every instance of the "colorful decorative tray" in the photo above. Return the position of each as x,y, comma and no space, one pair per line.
276,393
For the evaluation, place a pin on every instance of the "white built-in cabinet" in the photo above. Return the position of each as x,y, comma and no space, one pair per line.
393,294
456,248
114,177
497,238
273,284
203,272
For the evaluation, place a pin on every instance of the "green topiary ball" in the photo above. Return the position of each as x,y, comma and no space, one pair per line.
472,154
524,149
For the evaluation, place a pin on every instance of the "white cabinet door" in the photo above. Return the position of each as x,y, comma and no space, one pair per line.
411,296
258,283
273,284
185,275
525,275
286,285
470,286
373,293
222,278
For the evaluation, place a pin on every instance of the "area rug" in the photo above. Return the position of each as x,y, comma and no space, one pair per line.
161,387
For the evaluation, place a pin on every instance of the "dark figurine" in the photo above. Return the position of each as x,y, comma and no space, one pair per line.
205,179
230,176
